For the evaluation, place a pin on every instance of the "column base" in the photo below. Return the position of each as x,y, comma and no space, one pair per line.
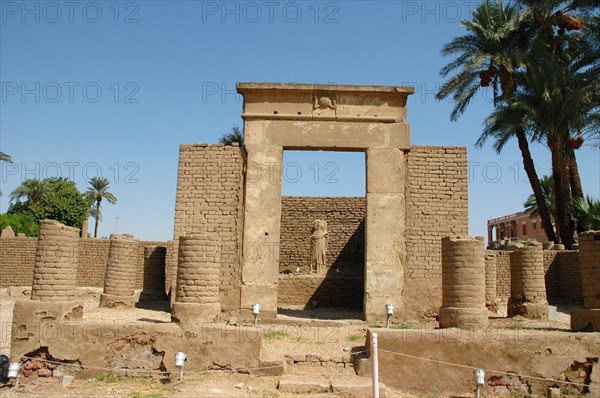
527,310
193,314
463,318
112,301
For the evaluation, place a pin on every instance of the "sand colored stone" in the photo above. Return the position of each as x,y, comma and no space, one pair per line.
370,119
7,232
56,259
463,284
119,283
528,286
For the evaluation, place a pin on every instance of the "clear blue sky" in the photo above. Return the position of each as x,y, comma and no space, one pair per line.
115,88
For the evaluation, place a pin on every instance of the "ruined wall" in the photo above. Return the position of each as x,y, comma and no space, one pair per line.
209,200
563,277
17,259
345,224
437,206
502,275
93,254
562,274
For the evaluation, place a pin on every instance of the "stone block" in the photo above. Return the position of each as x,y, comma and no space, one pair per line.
263,294
385,171
116,302
356,390
302,387
585,320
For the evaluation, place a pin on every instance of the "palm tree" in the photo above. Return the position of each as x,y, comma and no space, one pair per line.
488,55
5,158
556,102
587,213
31,189
97,191
530,205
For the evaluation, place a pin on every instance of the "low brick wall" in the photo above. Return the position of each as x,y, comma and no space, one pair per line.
331,291
17,261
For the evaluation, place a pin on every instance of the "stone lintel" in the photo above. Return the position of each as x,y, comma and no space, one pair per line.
327,135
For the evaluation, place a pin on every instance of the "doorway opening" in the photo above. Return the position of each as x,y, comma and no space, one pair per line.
329,187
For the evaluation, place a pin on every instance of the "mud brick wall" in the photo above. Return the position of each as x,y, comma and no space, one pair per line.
209,200
296,291
436,207
562,275
17,259
93,254
502,275
345,224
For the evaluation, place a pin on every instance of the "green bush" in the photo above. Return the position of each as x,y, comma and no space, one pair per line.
20,223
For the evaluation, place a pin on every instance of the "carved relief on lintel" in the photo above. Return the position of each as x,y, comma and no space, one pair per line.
324,103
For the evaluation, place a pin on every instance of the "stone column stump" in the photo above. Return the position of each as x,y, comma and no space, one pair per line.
490,281
56,259
463,284
53,292
527,282
198,273
588,318
119,282
154,274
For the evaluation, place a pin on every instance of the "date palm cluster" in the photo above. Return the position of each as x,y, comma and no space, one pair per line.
541,60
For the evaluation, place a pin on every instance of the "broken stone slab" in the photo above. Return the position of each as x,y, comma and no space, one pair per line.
8,232
269,368
302,387
357,390
67,380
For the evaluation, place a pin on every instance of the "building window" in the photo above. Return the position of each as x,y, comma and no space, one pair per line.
524,229
534,226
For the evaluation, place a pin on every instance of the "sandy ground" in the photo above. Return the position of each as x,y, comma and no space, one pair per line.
279,340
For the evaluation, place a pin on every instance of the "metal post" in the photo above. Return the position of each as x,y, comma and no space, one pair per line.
375,365
181,373
477,393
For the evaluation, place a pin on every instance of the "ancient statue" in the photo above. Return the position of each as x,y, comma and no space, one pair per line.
318,247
